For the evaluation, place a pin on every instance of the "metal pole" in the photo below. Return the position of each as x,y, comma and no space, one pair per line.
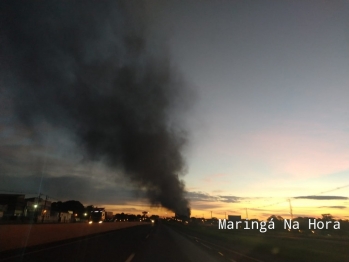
36,213
43,211
289,200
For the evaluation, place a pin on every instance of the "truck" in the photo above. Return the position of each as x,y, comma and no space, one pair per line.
109,216
97,215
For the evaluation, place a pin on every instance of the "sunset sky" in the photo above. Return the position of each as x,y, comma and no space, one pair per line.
269,119
272,118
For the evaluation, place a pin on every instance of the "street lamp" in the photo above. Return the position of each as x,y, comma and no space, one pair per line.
35,213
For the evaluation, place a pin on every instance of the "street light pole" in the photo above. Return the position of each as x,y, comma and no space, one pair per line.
43,212
291,213
35,212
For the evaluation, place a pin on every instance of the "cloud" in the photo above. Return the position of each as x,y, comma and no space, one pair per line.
322,197
200,196
335,207
78,68
87,190
229,199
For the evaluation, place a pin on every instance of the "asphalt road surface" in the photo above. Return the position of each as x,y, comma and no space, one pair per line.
136,244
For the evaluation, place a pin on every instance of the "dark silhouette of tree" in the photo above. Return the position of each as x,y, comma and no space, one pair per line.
278,221
71,205
327,217
56,206
275,218
89,208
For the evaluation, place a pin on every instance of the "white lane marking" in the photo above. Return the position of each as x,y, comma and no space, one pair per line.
205,245
130,257
147,236
221,254
229,250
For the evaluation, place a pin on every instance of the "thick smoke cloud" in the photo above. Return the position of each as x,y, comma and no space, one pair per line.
93,68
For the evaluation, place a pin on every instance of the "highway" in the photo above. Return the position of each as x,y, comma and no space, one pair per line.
139,243
163,242
169,242
279,249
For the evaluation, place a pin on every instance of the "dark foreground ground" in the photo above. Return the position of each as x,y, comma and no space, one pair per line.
176,242
239,246
138,243
26,235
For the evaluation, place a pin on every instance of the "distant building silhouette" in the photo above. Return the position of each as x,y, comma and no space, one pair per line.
38,208
12,205
234,218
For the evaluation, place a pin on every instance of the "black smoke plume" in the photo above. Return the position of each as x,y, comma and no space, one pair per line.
94,68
